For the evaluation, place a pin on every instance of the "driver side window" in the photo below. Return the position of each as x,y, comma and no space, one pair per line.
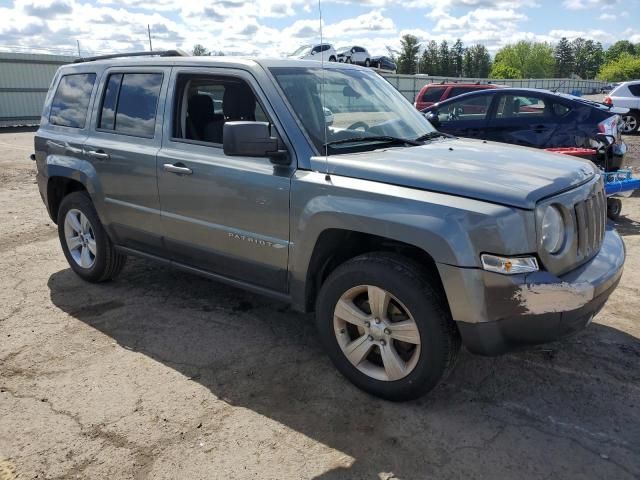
465,109
204,103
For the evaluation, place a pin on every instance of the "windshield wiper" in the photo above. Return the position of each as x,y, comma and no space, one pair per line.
432,135
374,138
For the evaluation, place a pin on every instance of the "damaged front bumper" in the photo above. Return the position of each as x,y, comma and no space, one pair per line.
496,313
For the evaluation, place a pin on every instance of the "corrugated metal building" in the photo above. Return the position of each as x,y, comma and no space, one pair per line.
24,81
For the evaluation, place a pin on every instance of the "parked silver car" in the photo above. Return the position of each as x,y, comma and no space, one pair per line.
406,243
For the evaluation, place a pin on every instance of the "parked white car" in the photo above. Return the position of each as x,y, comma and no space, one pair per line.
355,54
320,51
627,95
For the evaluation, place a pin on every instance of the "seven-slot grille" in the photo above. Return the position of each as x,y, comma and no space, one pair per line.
591,218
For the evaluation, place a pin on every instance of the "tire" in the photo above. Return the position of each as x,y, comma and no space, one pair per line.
94,264
631,122
412,294
367,63
614,208
332,58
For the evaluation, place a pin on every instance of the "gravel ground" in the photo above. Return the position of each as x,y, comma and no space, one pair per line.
165,375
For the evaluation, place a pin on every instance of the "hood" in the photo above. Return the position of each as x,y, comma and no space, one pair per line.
488,171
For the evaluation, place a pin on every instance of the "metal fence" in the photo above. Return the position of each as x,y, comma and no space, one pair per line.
410,85
24,81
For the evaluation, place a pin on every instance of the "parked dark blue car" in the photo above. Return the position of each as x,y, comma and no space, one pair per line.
530,117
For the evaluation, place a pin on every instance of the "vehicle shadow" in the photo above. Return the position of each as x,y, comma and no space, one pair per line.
565,410
626,226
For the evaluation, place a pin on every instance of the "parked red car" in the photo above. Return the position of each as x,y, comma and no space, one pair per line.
436,92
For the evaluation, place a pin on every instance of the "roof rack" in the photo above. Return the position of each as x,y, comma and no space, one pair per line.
159,53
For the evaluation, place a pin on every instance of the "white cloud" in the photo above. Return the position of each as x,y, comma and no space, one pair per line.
607,16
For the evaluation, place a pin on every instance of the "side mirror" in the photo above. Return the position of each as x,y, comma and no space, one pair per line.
252,139
432,116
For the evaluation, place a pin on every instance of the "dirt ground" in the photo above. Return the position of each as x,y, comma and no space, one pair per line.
165,375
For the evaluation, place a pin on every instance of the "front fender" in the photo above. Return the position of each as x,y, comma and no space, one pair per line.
452,230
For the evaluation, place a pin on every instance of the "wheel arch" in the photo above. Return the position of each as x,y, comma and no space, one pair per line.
65,176
334,246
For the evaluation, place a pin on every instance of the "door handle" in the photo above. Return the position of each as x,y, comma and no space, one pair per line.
178,168
97,154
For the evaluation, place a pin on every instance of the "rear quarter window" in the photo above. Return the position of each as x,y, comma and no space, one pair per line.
635,89
71,100
433,94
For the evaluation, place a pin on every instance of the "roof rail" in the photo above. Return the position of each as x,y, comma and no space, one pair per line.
159,53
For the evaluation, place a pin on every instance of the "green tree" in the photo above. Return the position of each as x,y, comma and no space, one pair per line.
476,62
620,47
429,59
408,58
443,59
531,59
501,70
624,67
564,58
456,55
200,51
588,56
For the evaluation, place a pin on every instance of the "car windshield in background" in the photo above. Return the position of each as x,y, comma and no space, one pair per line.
303,50
366,111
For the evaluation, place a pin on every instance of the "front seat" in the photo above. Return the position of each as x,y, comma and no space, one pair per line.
200,115
238,103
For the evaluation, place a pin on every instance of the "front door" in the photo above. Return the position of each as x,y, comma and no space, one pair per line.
465,117
122,146
226,215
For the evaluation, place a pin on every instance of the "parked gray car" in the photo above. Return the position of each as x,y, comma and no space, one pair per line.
406,243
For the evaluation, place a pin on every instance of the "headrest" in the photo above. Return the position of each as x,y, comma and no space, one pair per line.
238,102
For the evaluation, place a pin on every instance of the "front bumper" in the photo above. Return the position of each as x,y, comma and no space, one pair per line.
497,313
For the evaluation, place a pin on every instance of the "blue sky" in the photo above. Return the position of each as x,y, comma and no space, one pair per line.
275,27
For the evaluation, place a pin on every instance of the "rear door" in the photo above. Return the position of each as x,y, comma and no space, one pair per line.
228,215
529,119
122,145
465,117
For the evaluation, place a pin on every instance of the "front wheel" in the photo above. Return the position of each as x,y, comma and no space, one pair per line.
85,244
367,63
332,58
386,327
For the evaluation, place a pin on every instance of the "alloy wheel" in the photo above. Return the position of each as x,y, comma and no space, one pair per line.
376,333
80,238
630,123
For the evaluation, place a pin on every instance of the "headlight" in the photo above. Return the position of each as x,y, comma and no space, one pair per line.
552,230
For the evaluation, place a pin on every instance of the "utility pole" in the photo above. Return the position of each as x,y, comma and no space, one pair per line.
78,42
149,32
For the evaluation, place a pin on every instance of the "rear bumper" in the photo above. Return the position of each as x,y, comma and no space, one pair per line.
499,313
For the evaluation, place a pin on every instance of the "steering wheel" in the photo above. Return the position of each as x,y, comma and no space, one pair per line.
358,125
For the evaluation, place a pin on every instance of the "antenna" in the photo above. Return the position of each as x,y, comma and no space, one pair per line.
324,119
149,32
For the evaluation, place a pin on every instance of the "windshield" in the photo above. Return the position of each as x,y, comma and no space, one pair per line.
362,104
302,50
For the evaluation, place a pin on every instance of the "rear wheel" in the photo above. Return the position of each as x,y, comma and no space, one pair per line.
84,241
385,327
332,58
367,62
631,122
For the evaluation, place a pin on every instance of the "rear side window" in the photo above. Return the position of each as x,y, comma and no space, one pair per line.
71,100
130,103
455,91
635,89
433,94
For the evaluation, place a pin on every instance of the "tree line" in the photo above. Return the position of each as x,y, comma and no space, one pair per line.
580,57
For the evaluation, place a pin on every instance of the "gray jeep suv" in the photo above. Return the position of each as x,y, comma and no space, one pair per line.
405,242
